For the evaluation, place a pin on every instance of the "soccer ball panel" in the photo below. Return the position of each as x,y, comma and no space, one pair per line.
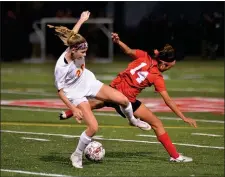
94,151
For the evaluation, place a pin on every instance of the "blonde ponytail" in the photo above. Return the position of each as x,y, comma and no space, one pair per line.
68,36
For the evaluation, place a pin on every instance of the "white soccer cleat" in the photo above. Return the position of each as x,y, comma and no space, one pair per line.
63,114
141,124
76,160
181,158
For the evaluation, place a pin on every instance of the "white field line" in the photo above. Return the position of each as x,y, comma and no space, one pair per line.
152,142
33,173
98,136
34,133
105,114
196,90
36,139
27,83
212,90
212,82
204,134
28,93
23,70
199,120
146,135
110,77
110,139
48,134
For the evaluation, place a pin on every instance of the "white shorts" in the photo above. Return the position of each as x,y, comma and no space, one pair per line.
88,87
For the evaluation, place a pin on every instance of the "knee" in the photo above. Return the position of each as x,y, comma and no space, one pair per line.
124,101
93,128
158,128
157,125
97,104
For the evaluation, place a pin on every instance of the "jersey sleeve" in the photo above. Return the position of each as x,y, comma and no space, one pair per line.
159,84
59,78
140,53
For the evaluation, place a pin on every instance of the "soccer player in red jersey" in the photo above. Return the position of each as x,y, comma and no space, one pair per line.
145,71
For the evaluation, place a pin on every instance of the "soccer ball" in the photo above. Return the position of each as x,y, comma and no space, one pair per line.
94,151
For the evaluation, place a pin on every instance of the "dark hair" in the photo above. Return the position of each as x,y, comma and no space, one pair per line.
167,54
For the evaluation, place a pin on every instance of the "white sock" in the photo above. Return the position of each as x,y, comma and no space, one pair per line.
128,112
83,142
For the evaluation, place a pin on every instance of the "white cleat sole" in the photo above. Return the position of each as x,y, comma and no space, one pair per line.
181,159
77,166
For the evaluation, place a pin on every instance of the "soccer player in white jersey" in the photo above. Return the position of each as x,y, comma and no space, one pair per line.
75,84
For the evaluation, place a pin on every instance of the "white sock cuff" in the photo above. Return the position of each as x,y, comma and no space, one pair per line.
128,107
85,138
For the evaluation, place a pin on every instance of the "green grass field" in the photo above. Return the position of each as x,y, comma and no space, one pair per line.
34,142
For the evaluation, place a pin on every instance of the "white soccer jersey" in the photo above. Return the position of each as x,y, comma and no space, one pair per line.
77,82
68,75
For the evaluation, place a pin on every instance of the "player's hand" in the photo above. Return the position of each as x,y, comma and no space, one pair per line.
115,37
77,114
190,121
85,15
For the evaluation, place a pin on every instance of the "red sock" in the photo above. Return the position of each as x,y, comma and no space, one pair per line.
69,113
167,143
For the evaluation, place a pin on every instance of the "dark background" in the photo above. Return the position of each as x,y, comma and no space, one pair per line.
192,27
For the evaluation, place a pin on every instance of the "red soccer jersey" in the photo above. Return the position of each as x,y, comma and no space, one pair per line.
140,73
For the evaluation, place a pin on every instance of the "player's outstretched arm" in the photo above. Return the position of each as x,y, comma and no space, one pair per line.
127,50
171,104
83,17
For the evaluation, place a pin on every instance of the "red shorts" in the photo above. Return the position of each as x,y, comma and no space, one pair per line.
121,85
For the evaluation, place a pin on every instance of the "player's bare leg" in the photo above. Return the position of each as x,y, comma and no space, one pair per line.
86,136
94,103
116,97
146,115
108,93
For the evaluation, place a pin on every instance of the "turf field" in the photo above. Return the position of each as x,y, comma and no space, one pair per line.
34,142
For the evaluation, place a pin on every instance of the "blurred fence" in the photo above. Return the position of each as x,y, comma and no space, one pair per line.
201,34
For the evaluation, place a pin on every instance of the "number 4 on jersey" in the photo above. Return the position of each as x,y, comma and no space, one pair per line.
141,74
